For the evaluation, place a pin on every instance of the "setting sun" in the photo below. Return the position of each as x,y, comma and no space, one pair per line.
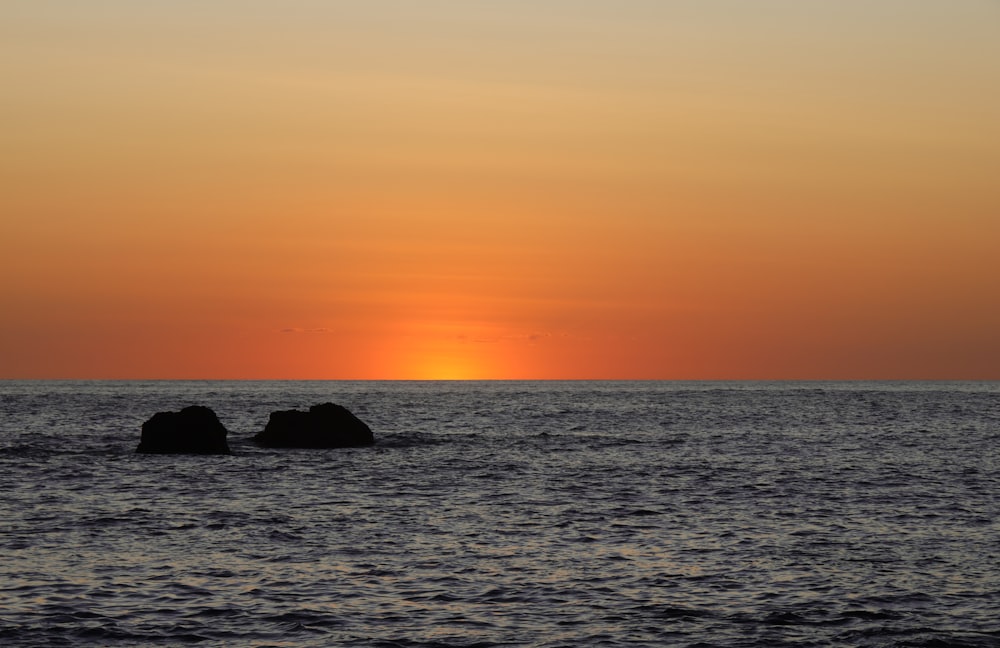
446,368
443,351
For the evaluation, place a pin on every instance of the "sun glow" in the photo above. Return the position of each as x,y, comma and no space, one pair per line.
446,369
445,351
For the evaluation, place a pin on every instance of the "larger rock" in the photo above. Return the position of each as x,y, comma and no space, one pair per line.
323,426
193,430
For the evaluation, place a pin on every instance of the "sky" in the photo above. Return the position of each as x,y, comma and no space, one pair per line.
459,189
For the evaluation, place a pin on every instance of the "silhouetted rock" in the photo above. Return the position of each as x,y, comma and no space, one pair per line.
323,426
193,430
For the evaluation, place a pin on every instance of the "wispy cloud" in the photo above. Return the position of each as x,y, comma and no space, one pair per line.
530,338
293,330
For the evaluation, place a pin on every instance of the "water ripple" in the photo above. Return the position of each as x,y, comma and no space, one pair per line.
509,514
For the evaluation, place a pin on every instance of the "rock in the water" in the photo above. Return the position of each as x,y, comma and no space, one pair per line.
323,426
193,430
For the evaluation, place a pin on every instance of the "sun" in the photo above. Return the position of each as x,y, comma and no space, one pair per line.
453,365
435,355
446,371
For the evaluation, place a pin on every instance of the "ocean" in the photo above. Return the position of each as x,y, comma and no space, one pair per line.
576,514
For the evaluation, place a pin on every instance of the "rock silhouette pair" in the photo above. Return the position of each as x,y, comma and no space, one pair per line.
197,430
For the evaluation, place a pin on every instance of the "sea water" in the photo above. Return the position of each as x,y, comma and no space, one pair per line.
508,514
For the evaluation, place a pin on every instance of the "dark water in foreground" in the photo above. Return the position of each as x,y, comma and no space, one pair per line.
508,514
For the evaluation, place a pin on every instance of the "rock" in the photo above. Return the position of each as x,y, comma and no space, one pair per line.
193,430
323,426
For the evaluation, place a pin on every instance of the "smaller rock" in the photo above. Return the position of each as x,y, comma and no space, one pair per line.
323,426
193,430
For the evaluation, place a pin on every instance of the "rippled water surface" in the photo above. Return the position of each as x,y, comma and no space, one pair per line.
508,514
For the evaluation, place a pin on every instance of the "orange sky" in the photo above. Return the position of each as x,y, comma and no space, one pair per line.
463,189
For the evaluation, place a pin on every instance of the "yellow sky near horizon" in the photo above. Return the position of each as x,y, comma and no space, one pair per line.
553,189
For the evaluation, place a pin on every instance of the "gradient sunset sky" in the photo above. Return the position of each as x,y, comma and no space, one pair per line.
682,189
